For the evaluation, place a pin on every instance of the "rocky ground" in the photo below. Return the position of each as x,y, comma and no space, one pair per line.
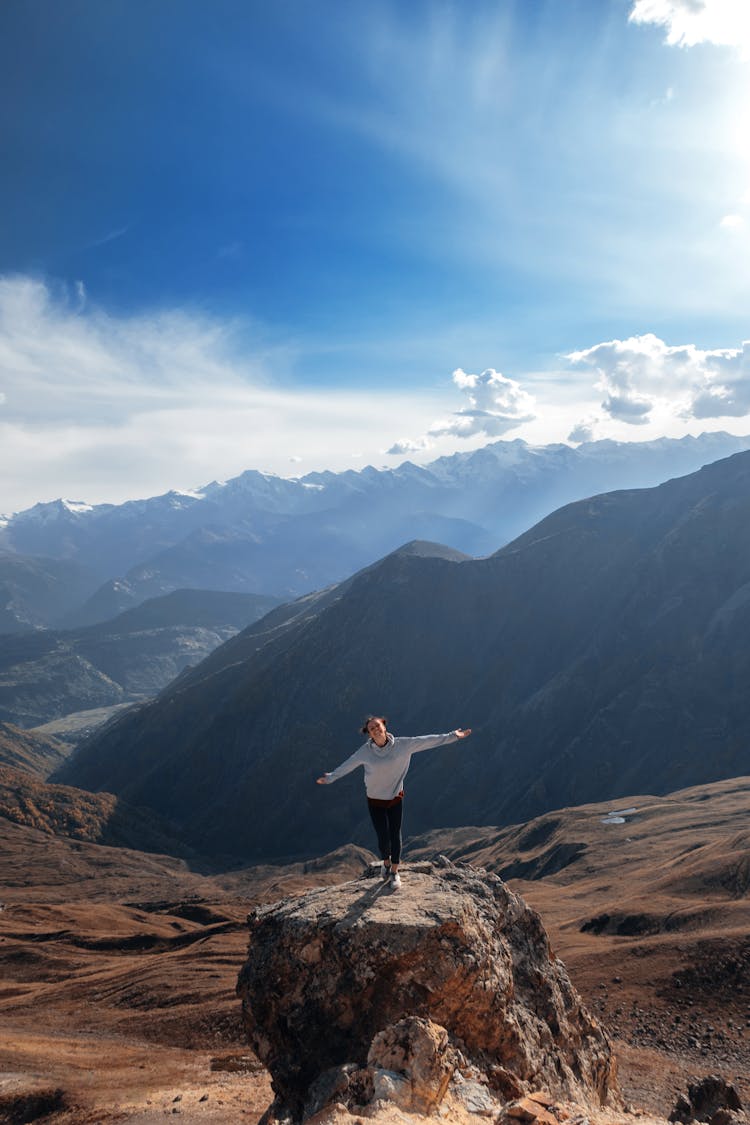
118,969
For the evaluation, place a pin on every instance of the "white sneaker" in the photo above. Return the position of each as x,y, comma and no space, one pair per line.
395,881
385,870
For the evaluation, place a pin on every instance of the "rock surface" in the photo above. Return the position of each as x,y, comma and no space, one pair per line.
354,994
712,1099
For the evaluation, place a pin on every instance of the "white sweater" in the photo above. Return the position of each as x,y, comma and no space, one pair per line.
385,766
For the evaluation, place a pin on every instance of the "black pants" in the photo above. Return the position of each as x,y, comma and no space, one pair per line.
387,824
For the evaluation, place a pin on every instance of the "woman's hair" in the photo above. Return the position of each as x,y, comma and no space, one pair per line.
369,719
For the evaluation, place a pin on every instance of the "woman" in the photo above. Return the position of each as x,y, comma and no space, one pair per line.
386,760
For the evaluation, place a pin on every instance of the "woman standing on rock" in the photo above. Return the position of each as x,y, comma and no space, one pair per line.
386,760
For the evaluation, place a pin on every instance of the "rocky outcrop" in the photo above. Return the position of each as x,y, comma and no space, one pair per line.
713,1100
354,994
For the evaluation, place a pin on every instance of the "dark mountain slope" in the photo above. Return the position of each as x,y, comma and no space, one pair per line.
33,753
191,607
606,651
60,810
36,591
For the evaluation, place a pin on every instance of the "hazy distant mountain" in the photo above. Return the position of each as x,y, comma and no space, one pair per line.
47,674
289,554
262,534
604,652
36,591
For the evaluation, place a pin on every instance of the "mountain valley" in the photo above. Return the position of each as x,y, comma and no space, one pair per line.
48,674
601,653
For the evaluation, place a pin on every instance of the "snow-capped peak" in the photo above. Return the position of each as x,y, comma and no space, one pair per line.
77,506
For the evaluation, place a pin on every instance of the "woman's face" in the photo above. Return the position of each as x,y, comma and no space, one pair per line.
377,732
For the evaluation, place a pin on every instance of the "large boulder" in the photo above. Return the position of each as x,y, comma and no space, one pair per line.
334,978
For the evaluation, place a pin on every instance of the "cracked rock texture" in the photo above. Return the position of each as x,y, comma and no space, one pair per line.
334,978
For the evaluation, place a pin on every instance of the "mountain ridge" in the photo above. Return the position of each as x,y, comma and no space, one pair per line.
263,534
602,652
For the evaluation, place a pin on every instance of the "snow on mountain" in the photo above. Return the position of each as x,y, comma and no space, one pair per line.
261,533
56,510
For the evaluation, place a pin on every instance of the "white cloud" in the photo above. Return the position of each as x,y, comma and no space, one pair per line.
667,97
725,23
496,404
732,222
643,374
407,445
583,430
111,236
727,389
628,407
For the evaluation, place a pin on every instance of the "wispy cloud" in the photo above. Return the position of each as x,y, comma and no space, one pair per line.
61,359
105,407
548,169
110,236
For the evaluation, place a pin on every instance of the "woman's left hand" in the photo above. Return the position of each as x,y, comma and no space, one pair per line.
462,733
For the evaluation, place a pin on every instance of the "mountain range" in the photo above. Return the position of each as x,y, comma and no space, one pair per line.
603,652
68,564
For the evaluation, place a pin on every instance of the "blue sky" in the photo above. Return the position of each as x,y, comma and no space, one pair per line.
299,235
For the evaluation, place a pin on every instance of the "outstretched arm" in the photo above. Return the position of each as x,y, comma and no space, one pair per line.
346,767
429,741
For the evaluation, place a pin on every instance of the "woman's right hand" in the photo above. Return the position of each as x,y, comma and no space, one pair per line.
321,780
